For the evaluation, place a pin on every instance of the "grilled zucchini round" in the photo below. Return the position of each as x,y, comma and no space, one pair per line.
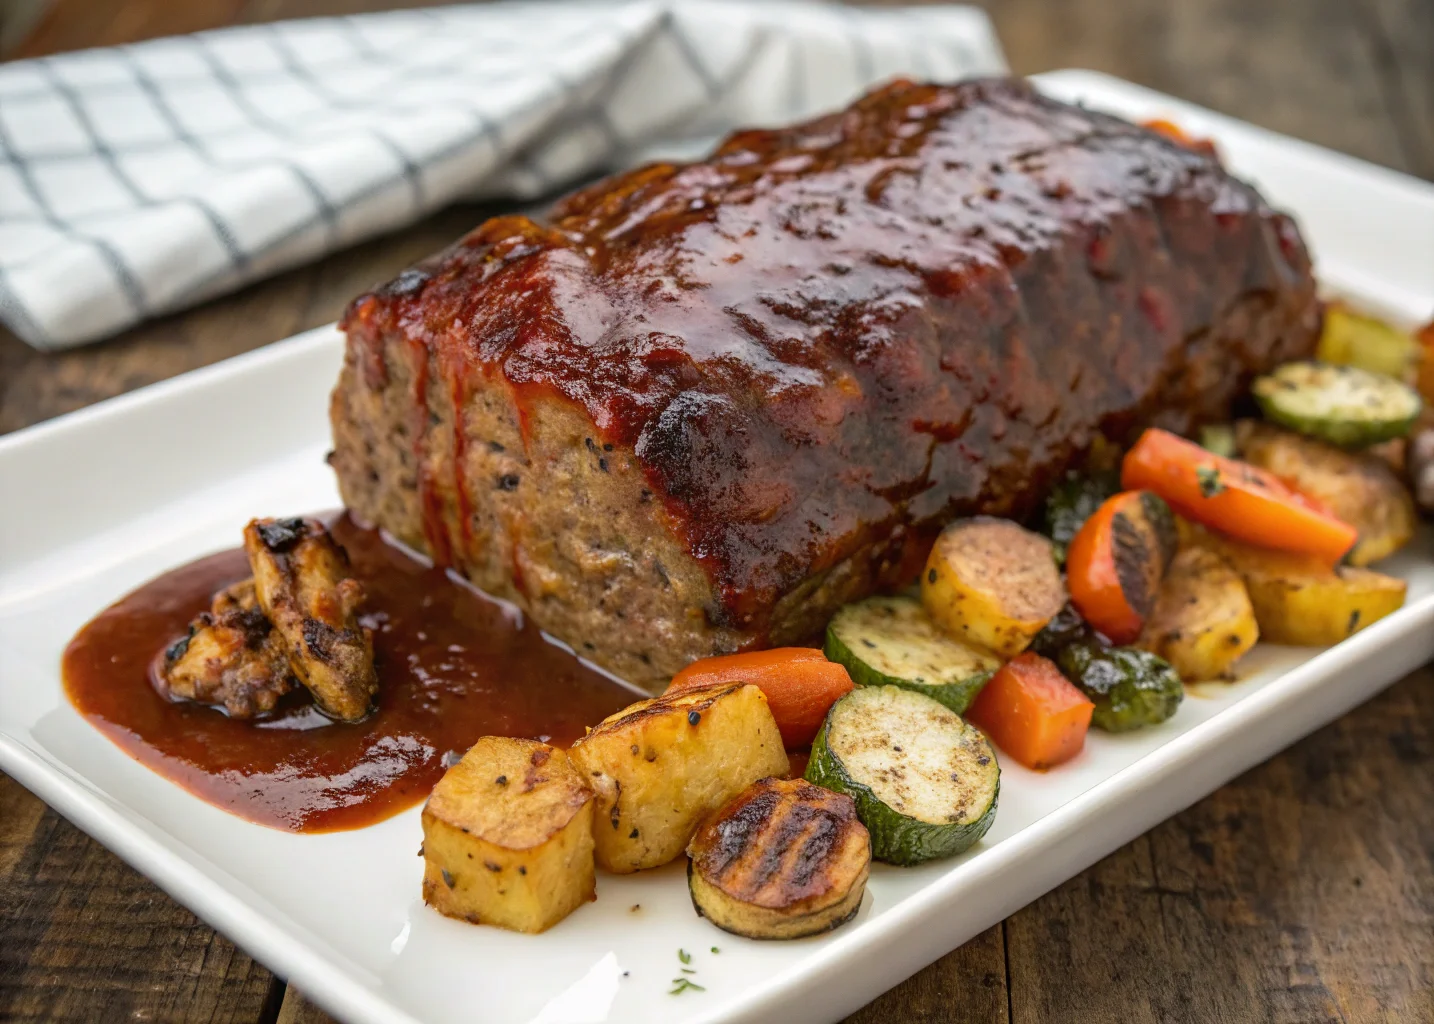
782,860
891,641
1340,404
925,783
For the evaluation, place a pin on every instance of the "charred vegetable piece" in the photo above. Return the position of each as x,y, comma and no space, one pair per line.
1301,601
231,658
924,782
1033,713
508,837
1242,500
302,580
1130,688
1344,405
782,860
801,684
660,766
1066,628
1072,502
991,583
891,641
1203,621
1117,560
1366,342
1358,487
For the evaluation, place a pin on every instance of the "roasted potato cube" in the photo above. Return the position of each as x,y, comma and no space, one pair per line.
1358,487
660,765
783,860
508,837
1299,600
1203,621
992,583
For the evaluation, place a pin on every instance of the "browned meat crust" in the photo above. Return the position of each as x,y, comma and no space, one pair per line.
711,402
232,657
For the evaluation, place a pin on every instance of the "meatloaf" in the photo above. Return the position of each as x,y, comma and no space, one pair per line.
706,404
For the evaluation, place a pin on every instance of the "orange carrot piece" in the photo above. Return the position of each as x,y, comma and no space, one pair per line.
1032,712
1234,497
800,683
1115,564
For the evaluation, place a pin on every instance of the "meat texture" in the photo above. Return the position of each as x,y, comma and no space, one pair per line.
302,581
708,403
231,657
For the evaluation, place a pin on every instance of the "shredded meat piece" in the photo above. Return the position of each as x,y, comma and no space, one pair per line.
303,587
232,657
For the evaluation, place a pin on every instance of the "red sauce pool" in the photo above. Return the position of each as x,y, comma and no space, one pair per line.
453,665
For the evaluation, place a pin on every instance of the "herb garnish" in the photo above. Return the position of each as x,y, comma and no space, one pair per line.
1210,482
681,985
716,950
684,956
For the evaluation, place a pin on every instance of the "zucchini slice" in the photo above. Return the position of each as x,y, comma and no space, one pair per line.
891,641
1340,404
782,860
925,783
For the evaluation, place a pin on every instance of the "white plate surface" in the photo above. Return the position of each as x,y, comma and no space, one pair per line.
97,502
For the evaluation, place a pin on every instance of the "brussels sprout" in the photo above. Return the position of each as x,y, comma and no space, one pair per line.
1062,631
1072,502
1130,688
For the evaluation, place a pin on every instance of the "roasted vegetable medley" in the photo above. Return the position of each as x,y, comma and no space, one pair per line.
1161,566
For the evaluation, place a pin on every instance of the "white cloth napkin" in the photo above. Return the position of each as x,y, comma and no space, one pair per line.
138,180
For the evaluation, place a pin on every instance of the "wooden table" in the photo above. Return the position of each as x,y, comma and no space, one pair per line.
1303,891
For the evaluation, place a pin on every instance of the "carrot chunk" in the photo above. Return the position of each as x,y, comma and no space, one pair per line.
1033,713
800,683
1116,561
1234,497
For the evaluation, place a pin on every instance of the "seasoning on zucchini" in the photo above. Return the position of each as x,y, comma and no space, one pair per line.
924,782
1072,502
1341,404
891,641
782,860
1130,688
1352,339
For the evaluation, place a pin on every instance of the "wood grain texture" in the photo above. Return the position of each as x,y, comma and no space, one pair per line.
85,938
1303,891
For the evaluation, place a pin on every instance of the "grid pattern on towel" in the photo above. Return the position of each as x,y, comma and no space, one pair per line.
138,180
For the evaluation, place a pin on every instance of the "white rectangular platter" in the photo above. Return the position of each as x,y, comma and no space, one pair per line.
95,503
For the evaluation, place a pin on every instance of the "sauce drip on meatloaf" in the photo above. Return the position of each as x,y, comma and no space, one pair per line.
825,341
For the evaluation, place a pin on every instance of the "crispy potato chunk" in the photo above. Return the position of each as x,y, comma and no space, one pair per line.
782,860
658,766
992,583
1203,621
508,837
302,580
1358,487
231,658
1299,600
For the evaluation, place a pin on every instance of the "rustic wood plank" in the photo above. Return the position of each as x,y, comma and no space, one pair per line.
85,938
1303,891
1309,68
1402,35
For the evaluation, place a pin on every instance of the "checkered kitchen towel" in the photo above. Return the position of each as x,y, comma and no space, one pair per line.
141,179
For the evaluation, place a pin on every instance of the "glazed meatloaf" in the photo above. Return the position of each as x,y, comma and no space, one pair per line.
706,404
